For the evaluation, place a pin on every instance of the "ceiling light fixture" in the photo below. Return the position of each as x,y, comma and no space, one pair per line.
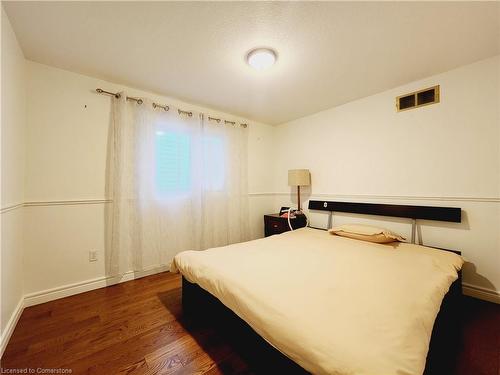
261,58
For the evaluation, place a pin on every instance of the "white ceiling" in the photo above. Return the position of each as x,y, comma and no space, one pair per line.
329,52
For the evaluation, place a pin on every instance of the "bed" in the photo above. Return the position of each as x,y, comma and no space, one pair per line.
332,305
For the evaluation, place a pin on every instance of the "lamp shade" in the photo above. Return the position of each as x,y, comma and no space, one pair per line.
299,177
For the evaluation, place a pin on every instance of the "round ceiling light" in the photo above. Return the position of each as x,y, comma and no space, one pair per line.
261,58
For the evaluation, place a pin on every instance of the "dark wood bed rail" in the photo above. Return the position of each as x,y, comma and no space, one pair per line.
450,214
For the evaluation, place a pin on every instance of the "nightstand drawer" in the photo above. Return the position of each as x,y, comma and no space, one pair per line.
274,224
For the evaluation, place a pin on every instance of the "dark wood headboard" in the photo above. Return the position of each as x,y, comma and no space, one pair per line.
452,214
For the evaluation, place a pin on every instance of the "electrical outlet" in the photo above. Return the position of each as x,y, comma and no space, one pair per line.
93,256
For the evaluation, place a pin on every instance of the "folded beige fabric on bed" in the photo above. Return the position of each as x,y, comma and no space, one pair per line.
332,304
366,233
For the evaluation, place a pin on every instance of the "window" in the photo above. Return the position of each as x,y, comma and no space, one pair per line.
173,162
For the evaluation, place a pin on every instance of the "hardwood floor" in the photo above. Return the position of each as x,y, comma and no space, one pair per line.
480,347
132,328
138,328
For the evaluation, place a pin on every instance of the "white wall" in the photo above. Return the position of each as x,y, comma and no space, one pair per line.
12,178
445,154
67,139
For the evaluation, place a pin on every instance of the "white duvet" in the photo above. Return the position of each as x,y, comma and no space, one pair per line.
333,305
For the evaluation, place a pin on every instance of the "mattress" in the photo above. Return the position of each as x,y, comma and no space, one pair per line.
333,305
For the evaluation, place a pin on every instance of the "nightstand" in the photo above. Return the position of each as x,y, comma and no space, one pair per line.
274,224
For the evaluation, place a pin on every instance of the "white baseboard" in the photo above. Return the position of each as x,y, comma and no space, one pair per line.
11,324
481,293
72,289
85,286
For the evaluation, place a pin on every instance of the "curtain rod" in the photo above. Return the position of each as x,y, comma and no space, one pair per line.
166,107
138,100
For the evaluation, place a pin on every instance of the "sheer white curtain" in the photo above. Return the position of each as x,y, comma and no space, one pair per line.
177,183
224,192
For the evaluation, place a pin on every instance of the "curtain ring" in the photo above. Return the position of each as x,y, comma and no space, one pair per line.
164,107
190,114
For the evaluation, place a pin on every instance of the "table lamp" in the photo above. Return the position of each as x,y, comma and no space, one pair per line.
299,177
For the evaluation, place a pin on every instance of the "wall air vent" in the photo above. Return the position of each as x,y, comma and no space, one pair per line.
418,99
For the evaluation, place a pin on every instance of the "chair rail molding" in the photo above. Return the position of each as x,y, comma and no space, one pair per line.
75,202
387,197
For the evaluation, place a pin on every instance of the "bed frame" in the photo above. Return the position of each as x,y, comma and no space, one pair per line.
203,307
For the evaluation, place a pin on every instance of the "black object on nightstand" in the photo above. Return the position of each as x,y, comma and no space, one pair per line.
274,224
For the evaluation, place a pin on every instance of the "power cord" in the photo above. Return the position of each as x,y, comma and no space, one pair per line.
290,224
